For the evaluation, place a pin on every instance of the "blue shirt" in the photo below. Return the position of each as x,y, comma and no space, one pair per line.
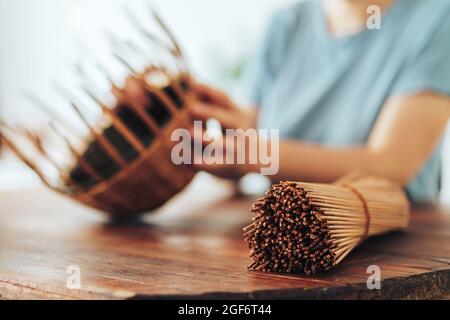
318,88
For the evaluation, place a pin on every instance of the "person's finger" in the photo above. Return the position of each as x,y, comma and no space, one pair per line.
220,170
213,95
210,168
204,111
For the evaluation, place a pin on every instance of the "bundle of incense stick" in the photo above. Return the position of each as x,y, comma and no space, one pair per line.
309,228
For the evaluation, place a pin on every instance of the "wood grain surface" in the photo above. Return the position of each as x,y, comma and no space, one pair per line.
193,248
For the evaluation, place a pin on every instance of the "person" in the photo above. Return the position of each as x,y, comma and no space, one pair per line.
346,97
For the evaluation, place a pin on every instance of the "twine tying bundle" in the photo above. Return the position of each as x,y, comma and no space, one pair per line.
310,228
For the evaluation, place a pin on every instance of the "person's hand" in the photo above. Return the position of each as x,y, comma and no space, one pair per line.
229,165
215,104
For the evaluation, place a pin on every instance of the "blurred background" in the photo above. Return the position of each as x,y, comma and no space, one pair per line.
40,44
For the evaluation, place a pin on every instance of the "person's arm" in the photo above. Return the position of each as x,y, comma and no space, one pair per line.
406,133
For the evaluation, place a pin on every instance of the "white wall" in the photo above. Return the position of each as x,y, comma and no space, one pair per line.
37,47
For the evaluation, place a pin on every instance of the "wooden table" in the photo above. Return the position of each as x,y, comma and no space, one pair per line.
193,249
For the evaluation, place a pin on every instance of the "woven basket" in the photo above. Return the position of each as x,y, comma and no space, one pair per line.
148,178
125,167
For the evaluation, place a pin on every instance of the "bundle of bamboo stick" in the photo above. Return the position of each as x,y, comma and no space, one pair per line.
310,228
